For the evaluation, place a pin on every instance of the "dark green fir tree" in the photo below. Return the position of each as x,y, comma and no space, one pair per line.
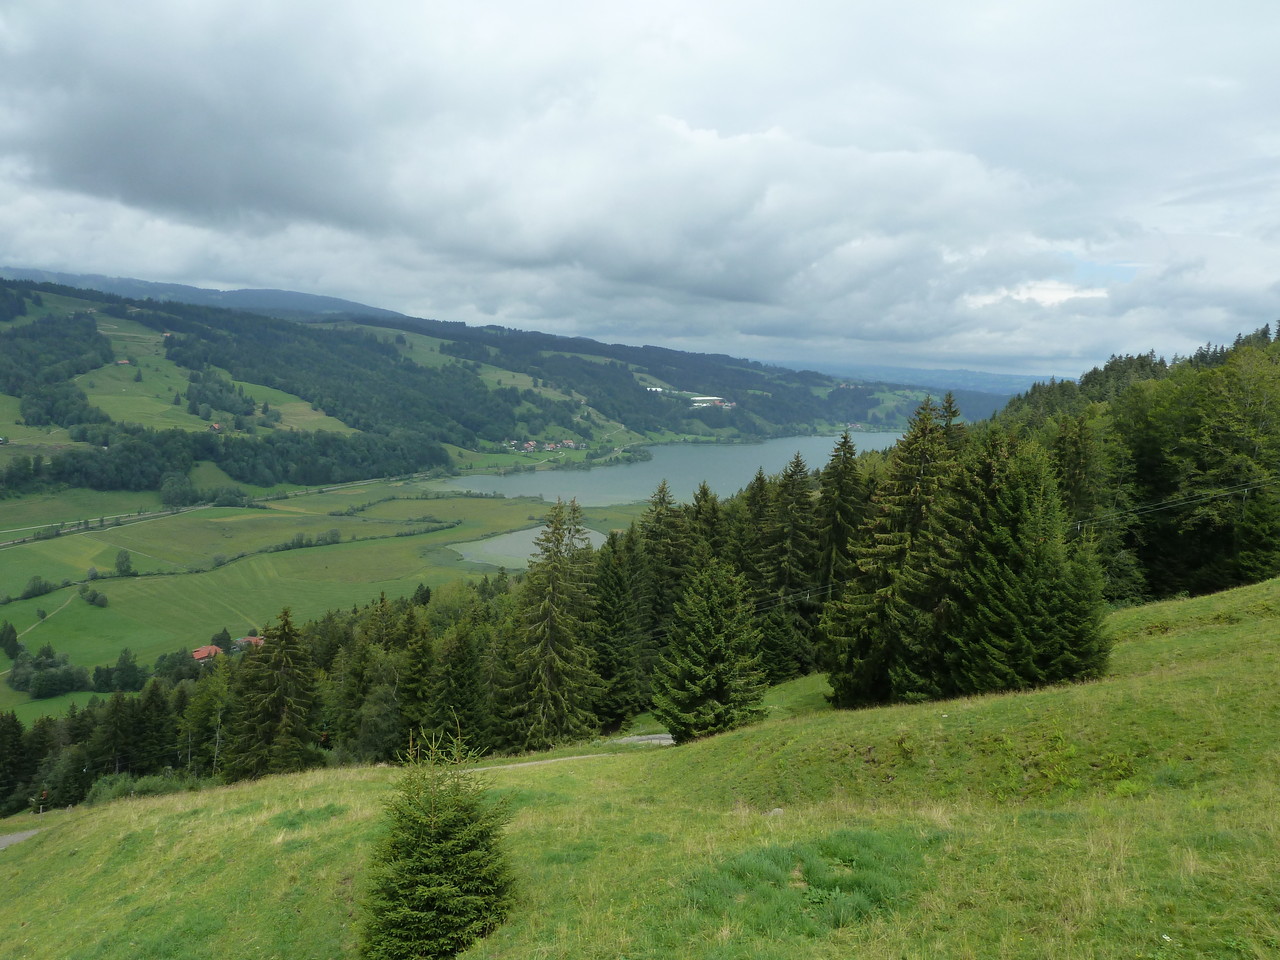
272,695
884,636
840,513
666,545
617,638
458,704
709,680
555,685
789,563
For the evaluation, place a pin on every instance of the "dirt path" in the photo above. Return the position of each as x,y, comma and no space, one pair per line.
46,617
11,838
660,739
536,763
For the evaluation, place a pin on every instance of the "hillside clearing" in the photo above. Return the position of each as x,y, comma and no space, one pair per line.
1132,817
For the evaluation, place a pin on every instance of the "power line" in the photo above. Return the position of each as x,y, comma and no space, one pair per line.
1175,503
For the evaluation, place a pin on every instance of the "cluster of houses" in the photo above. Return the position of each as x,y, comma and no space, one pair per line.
532,446
206,653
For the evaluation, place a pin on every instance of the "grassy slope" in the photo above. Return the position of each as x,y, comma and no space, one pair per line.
1134,817
148,402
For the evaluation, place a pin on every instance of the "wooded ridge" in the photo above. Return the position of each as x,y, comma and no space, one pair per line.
404,386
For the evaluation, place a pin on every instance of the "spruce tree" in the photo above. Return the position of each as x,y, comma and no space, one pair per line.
709,679
498,672
113,748
439,878
457,701
666,543
884,636
706,521
1094,479
272,693
790,561
634,569
841,510
16,765
347,686
749,519
154,725
1027,605
617,639
949,414
1083,613
555,684
991,636
419,676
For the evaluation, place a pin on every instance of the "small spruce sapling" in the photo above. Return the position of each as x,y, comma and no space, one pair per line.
439,878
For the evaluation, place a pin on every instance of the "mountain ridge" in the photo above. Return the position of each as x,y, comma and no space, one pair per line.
294,305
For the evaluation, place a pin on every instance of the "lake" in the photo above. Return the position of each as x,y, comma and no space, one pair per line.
726,467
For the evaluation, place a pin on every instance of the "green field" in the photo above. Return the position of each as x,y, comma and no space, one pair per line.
21,515
169,608
1133,817
193,585
23,440
149,401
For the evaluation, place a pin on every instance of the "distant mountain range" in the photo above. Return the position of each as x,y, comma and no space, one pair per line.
291,305
275,303
1001,384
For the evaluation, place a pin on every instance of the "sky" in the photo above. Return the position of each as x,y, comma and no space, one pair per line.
1007,186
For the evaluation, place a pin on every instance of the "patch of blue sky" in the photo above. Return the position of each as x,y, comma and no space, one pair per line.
1093,273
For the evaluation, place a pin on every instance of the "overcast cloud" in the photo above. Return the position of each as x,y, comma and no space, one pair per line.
1024,186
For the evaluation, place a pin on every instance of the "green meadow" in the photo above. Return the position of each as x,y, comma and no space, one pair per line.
1132,817
118,391
213,567
22,515
23,440
149,401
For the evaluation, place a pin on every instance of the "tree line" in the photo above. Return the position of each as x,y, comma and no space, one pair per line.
968,559
124,456
943,568
1172,466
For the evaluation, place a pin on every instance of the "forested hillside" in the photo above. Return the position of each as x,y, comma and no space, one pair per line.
945,568
398,388
1170,465
969,559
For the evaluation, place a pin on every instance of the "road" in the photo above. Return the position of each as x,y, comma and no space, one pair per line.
11,838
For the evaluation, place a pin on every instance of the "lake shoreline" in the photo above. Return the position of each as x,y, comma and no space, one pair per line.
725,467
646,446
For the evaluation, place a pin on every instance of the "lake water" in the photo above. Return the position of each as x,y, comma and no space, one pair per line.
510,550
726,467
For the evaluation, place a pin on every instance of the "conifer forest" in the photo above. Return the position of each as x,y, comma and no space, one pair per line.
969,558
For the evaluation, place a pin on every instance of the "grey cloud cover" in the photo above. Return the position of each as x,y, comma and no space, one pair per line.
1027,186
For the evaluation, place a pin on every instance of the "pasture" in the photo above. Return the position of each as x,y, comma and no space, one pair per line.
1129,817
392,535
20,516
